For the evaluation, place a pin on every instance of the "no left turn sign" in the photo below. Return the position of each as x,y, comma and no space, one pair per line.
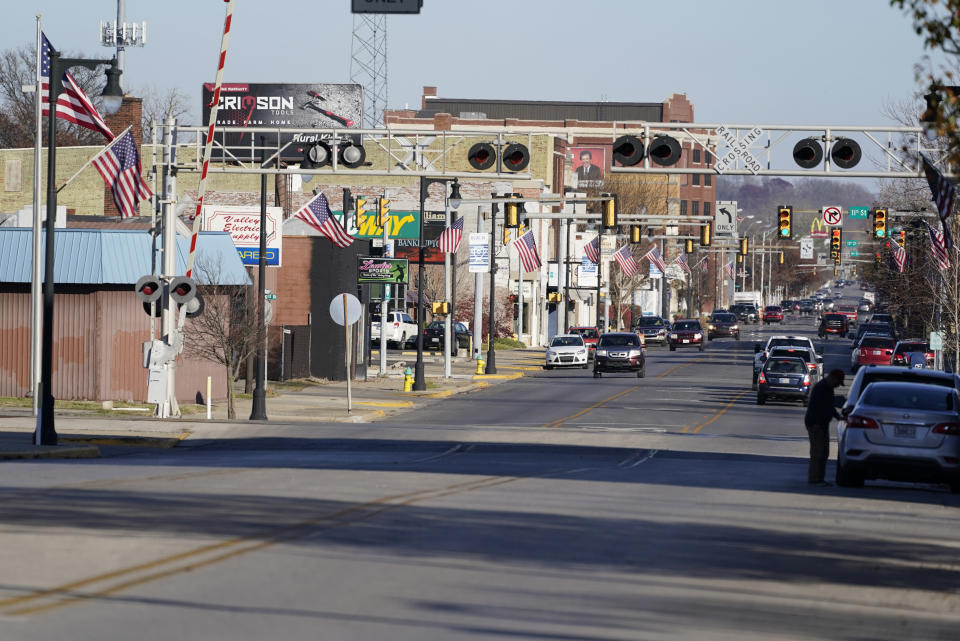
832,215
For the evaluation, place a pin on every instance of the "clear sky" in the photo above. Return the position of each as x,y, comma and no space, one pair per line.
830,62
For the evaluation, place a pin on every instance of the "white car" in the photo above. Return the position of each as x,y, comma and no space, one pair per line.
400,329
566,350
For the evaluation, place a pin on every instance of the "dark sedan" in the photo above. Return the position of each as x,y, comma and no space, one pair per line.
619,352
434,332
783,377
723,324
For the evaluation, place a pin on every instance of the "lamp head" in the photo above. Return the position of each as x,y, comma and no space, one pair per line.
112,93
455,197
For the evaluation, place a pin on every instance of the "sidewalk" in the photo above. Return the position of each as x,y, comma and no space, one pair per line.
81,432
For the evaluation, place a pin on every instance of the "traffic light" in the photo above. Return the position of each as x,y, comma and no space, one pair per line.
609,211
785,221
878,258
705,236
836,244
554,297
902,237
744,246
636,234
688,246
781,258
880,222
511,212
740,258
383,210
440,307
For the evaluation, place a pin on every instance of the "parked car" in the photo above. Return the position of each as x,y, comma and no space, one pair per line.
902,431
652,328
723,324
903,351
783,377
567,350
871,349
832,323
590,337
686,333
400,328
619,352
434,332
772,314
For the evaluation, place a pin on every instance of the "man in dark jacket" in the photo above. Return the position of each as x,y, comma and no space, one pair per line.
821,409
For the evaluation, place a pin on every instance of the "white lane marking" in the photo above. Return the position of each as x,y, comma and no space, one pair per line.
637,458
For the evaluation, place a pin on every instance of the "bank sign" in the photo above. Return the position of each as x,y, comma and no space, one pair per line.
243,225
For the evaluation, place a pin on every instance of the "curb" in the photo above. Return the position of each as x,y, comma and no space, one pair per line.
53,452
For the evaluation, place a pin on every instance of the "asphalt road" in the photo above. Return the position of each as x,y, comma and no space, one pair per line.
552,507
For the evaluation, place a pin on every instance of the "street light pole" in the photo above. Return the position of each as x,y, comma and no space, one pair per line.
258,411
491,366
46,433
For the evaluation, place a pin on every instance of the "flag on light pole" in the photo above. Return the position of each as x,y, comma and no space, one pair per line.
628,264
73,105
938,247
592,250
316,213
119,166
451,236
527,248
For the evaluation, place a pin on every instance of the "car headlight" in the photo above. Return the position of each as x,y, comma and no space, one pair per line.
601,352
582,351
734,327
673,336
551,353
635,352
698,335
710,327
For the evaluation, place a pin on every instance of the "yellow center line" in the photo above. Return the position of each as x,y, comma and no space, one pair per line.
719,412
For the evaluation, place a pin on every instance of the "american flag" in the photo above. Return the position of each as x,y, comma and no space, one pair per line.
628,264
119,165
72,104
899,255
592,250
527,248
943,192
316,213
681,262
451,236
701,264
730,270
654,256
938,248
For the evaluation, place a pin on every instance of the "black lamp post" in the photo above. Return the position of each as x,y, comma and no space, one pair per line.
46,433
258,409
419,382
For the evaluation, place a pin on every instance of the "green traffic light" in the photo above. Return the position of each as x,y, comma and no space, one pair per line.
785,231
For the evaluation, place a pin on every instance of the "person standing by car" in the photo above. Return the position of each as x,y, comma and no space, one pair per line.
821,409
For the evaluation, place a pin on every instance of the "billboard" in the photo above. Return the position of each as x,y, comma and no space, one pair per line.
243,225
410,248
288,106
588,166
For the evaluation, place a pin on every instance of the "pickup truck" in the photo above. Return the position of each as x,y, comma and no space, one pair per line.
400,328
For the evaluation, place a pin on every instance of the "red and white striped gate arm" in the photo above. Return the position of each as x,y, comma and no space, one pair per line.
209,145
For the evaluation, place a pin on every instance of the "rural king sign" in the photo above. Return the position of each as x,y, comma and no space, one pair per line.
243,225
382,270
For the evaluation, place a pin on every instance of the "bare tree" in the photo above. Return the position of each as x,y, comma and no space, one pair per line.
159,105
226,331
17,123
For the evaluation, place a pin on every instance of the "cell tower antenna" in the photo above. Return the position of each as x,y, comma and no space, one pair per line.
121,34
368,64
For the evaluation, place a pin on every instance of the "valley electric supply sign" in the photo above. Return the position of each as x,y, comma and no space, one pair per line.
243,225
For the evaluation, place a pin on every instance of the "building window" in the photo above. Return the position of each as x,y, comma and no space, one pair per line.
694,208
708,157
696,179
683,208
706,208
707,180
696,155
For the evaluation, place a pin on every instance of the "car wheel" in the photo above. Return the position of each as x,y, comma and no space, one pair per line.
737,337
709,338
548,367
584,367
673,348
701,347
596,374
955,487
761,399
805,400
642,372
846,478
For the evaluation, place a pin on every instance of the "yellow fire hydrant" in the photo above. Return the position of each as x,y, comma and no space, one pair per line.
480,364
408,380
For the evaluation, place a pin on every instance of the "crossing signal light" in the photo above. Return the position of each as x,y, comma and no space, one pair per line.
880,222
383,210
183,290
664,150
350,155
785,221
744,246
844,152
609,211
628,150
513,157
149,289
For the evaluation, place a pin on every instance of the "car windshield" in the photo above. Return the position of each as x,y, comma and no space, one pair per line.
772,309
650,321
724,318
776,342
795,353
909,397
784,366
619,340
586,332
687,326
566,341
903,348
436,325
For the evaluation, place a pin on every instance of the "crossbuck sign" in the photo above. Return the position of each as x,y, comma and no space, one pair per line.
738,149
